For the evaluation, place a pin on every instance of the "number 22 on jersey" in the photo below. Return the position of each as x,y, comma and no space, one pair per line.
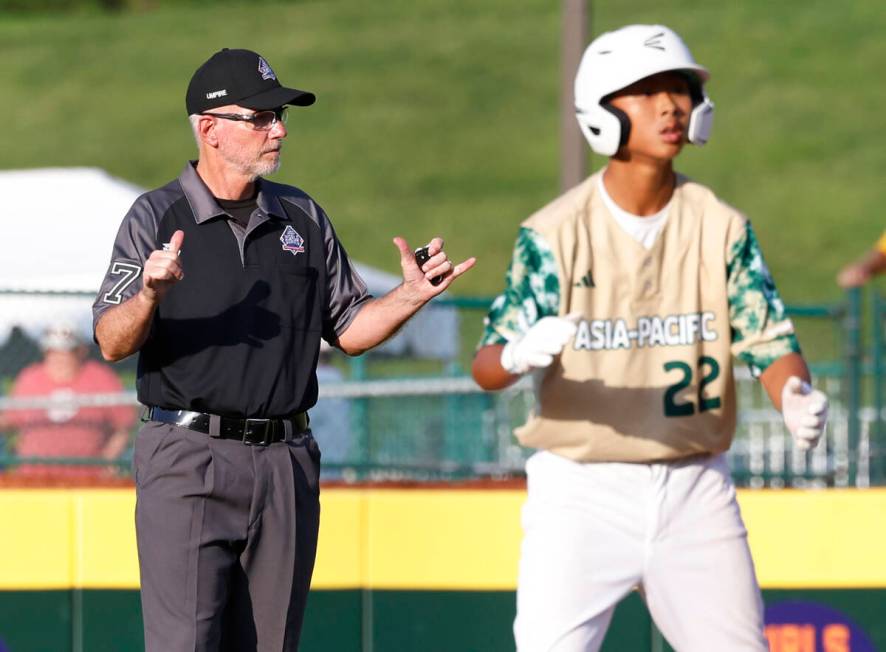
705,364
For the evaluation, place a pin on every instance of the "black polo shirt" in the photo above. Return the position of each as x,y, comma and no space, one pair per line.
240,334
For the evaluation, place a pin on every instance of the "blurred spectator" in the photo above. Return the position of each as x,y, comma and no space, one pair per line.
65,429
331,418
19,351
862,270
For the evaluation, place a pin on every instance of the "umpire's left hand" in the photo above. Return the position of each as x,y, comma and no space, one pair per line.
417,280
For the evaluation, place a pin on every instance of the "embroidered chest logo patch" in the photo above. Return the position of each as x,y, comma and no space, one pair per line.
292,241
265,70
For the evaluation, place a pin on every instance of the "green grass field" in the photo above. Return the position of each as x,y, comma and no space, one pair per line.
441,116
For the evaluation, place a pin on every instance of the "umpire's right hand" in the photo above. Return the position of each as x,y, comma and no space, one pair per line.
163,269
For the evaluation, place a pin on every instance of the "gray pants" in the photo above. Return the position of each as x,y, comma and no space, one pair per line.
227,536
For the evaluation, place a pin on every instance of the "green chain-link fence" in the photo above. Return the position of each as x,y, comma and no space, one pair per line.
405,414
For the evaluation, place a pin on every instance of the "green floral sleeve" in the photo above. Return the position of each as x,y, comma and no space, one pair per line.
761,332
532,291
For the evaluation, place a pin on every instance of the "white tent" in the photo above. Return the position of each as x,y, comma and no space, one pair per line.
60,226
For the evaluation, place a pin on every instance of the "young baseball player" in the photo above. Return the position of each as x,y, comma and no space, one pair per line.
627,298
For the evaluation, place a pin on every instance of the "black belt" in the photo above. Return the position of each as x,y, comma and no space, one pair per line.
253,432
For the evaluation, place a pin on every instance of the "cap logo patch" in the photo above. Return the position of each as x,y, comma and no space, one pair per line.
292,241
265,70
214,94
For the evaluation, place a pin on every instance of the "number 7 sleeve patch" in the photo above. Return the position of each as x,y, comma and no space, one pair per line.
127,273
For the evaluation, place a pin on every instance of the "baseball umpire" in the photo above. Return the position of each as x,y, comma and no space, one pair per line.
628,296
225,283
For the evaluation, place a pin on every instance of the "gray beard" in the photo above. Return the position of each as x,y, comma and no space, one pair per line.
263,169
252,169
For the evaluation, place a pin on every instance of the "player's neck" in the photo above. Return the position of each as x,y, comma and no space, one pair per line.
639,189
224,182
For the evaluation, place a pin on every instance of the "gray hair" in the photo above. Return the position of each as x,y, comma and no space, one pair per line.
194,119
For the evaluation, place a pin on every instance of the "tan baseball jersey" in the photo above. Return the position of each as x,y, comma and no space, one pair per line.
649,373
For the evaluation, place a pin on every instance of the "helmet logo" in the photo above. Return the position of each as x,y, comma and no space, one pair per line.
655,42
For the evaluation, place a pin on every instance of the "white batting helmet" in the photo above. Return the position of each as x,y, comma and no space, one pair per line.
617,59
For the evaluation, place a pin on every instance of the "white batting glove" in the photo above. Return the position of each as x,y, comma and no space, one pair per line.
805,412
538,346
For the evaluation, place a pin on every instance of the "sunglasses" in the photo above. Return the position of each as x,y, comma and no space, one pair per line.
260,120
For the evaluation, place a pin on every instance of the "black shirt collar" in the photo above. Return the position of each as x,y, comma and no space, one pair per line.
204,205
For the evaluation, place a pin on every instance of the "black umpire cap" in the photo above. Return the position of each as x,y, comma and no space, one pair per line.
240,77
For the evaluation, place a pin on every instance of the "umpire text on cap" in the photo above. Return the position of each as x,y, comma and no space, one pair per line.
240,77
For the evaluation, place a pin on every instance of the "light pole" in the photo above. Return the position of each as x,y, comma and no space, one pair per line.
574,38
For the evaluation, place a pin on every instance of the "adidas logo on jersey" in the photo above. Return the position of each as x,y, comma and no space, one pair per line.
586,281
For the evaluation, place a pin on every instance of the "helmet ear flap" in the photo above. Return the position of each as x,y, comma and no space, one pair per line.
602,127
624,122
700,122
702,117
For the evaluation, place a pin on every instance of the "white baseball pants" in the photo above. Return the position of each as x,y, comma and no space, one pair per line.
593,532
